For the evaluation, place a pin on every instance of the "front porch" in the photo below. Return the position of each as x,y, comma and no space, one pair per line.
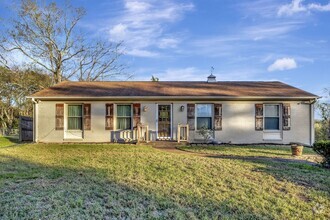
141,133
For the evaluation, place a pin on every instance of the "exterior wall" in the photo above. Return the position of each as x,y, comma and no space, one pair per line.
46,123
238,123
149,117
300,125
179,117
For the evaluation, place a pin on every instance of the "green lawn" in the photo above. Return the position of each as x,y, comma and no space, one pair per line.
276,151
8,141
39,181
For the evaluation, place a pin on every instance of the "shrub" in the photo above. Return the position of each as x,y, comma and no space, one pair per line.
206,133
323,148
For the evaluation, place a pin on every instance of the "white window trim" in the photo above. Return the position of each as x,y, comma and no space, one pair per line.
279,117
72,135
116,117
171,112
212,115
82,117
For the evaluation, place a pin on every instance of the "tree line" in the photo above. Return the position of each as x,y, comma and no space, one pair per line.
53,48
15,85
322,126
49,37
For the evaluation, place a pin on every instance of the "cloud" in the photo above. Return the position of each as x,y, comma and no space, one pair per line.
142,53
283,64
137,6
297,6
192,73
271,30
182,74
168,43
143,26
319,7
245,40
118,31
262,8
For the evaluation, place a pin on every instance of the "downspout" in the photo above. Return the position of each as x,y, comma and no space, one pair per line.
312,130
35,120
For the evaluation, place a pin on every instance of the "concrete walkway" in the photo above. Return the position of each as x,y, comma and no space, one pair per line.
171,147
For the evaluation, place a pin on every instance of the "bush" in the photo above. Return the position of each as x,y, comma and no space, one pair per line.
323,148
206,133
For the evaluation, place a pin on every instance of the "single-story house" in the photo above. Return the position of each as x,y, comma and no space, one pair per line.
238,112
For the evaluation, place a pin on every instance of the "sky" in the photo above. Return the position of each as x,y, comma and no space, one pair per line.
264,40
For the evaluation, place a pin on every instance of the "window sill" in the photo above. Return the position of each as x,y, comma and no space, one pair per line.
275,139
73,139
272,131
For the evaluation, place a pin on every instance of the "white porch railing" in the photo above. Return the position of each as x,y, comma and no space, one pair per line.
142,133
183,133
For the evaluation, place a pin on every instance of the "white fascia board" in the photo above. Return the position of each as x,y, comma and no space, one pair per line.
256,98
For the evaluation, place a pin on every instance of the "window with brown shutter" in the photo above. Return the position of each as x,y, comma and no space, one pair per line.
259,117
59,117
191,116
136,114
286,116
87,116
218,117
109,121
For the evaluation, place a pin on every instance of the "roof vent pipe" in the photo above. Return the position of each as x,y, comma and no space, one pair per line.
211,78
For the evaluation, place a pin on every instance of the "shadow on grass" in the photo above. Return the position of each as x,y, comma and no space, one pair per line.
33,191
13,139
300,172
269,153
6,141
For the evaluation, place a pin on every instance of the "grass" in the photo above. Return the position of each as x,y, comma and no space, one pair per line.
276,151
7,141
55,181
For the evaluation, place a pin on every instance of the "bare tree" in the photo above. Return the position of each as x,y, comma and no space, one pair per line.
323,108
98,62
49,37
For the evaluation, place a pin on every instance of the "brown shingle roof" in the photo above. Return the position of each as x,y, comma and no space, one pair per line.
178,88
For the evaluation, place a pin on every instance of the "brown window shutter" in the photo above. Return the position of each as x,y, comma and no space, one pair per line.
87,116
218,117
286,116
136,114
259,116
191,116
109,120
59,117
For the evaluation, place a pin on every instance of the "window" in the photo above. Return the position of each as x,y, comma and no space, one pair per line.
204,116
74,117
124,117
272,117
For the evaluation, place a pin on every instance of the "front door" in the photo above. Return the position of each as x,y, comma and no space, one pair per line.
164,121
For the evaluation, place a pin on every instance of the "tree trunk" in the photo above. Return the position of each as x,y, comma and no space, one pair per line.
58,76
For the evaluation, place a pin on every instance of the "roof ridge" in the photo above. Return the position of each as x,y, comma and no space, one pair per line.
227,81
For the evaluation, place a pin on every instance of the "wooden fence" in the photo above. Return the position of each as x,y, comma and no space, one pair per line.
25,128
